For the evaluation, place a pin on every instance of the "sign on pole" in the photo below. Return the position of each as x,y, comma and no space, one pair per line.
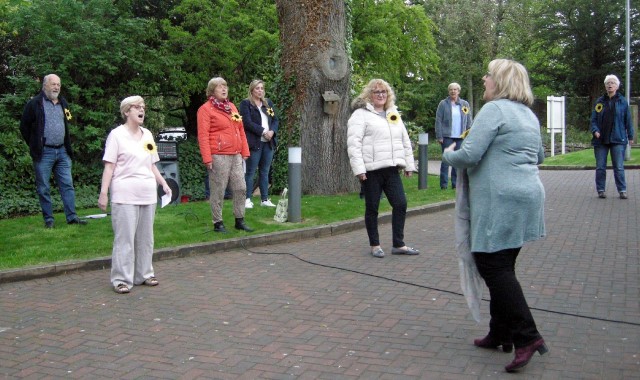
555,120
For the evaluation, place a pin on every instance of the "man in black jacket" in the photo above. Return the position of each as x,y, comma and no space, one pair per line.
44,128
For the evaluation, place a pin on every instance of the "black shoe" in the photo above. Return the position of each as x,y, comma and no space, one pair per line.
48,224
623,195
443,188
77,221
241,225
601,194
219,227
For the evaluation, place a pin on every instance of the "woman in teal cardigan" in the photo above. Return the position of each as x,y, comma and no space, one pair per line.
506,200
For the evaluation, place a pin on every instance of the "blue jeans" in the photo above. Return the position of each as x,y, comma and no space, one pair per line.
617,161
260,159
389,181
56,160
444,167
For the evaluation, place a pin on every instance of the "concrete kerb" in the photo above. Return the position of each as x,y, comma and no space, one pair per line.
31,273
586,167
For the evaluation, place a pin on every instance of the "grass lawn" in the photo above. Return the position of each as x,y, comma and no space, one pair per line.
585,158
25,242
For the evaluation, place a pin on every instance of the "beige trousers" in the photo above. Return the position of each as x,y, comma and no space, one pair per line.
227,170
132,243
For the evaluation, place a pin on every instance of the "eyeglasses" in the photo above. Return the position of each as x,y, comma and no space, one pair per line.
382,92
138,107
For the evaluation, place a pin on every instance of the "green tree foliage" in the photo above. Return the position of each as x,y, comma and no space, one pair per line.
167,50
99,52
473,32
581,41
394,40
203,38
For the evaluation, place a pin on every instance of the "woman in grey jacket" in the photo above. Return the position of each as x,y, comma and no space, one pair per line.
506,200
378,146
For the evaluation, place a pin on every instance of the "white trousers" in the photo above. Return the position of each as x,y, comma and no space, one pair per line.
132,243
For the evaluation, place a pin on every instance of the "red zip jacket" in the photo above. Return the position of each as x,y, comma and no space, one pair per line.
218,134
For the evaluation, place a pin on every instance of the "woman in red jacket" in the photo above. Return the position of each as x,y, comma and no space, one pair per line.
223,146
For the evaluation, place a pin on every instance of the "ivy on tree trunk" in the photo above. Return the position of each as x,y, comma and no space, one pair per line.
313,34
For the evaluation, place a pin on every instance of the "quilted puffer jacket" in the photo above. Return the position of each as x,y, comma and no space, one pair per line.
376,142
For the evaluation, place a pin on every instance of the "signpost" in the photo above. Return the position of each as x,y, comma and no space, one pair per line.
555,120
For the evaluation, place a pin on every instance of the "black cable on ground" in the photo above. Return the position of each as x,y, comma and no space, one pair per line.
432,288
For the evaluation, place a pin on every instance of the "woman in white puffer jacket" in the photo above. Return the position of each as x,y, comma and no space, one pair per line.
379,147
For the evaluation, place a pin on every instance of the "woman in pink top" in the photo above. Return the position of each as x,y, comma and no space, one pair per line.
130,174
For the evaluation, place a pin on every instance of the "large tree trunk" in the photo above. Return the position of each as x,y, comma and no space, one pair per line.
313,35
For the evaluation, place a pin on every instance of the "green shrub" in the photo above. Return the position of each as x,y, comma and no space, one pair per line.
192,170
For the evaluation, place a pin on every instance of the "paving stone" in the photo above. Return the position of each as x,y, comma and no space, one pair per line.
341,314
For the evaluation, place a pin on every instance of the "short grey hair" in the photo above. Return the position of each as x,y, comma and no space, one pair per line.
213,83
128,102
613,78
454,85
48,77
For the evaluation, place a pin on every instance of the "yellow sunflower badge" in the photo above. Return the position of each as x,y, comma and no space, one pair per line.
236,116
270,111
393,117
150,147
67,114
599,107
465,110
465,133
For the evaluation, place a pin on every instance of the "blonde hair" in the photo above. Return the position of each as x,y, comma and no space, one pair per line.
254,83
454,85
613,78
367,93
127,103
511,80
213,83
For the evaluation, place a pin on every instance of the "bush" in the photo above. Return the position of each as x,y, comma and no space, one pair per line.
192,170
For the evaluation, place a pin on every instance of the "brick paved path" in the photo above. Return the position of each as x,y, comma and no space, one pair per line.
327,310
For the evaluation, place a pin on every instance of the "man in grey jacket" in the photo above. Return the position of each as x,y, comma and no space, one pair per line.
453,118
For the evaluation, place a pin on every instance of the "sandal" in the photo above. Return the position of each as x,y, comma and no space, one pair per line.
121,289
151,281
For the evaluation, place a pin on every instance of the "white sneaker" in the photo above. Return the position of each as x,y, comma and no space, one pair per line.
267,203
248,203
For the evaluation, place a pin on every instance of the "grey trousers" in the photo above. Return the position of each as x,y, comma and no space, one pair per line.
132,243
227,169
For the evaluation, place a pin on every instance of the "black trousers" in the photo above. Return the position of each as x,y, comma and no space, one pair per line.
389,181
511,319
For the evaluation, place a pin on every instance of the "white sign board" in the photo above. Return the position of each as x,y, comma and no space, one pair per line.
555,120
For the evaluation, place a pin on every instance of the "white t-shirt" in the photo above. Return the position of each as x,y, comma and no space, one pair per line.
265,123
133,181
456,120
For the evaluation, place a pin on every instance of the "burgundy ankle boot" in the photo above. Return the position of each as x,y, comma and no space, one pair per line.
524,354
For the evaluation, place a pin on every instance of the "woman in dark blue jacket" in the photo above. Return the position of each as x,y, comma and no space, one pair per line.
612,131
261,127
